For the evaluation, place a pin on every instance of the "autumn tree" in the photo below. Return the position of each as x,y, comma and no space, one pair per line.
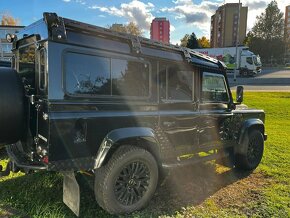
204,42
8,20
192,42
184,40
267,35
131,28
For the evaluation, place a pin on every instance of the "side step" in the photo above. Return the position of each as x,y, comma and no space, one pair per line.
194,160
21,160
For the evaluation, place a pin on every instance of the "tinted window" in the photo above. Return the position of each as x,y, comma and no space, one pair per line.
130,78
42,69
27,59
214,88
87,74
176,84
26,66
96,75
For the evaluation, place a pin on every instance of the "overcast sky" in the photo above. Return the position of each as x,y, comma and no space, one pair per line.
185,16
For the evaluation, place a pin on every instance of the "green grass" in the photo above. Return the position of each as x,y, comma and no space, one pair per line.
40,194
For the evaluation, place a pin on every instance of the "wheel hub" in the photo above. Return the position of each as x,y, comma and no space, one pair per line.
132,183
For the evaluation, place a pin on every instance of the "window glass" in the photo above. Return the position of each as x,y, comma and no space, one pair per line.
26,66
87,74
130,78
214,88
249,60
96,75
176,84
42,69
27,59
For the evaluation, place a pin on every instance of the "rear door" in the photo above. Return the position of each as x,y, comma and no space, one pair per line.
178,111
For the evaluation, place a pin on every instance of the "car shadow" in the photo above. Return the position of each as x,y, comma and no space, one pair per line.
192,185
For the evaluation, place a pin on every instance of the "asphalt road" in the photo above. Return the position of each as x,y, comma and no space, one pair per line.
274,79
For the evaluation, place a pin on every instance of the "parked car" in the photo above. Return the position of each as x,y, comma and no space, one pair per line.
84,98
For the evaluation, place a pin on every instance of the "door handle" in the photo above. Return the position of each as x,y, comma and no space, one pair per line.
169,124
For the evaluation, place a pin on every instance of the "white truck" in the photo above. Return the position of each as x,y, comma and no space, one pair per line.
249,64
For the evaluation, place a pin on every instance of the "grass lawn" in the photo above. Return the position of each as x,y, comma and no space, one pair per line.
222,192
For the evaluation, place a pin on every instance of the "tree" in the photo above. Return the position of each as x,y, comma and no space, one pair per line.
192,42
131,28
7,19
184,40
270,25
267,35
204,42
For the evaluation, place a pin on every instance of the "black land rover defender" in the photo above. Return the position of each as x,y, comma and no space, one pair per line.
84,98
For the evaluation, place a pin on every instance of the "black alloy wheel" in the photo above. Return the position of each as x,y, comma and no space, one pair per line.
127,182
254,147
132,183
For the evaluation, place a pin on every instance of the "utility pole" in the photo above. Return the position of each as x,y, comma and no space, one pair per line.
237,41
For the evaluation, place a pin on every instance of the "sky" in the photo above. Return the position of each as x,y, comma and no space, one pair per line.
185,16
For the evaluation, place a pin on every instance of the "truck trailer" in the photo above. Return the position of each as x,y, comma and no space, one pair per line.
249,64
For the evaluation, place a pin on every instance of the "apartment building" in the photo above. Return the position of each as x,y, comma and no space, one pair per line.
224,25
160,30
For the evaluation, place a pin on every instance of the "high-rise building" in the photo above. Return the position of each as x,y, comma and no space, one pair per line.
224,25
287,34
5,46
160,30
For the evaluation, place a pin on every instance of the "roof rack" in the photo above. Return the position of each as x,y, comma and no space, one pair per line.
58,26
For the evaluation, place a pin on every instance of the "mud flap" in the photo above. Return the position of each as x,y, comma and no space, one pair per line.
71,192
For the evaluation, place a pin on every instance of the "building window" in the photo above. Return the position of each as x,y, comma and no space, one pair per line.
2,34
5,47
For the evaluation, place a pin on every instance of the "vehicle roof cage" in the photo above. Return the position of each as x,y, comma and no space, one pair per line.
62,24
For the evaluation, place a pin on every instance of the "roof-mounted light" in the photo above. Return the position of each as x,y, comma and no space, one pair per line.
10,37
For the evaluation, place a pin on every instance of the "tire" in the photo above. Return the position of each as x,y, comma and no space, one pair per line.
254,148
244,73
12,110
119,191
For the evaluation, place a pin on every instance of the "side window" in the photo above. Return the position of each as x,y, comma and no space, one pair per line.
249,60
130,78
96,75
87,74
176,84
42,69
214,88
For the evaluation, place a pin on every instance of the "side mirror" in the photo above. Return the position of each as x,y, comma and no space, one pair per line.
240,94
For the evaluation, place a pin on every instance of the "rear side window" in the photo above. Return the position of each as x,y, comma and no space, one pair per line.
95,75
130,78
87,74
176,84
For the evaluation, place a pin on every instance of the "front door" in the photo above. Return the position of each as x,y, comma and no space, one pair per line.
214,129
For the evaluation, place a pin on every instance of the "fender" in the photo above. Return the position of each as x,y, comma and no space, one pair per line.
120,134
247,124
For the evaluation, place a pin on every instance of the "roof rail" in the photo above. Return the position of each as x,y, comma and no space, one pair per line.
58,25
